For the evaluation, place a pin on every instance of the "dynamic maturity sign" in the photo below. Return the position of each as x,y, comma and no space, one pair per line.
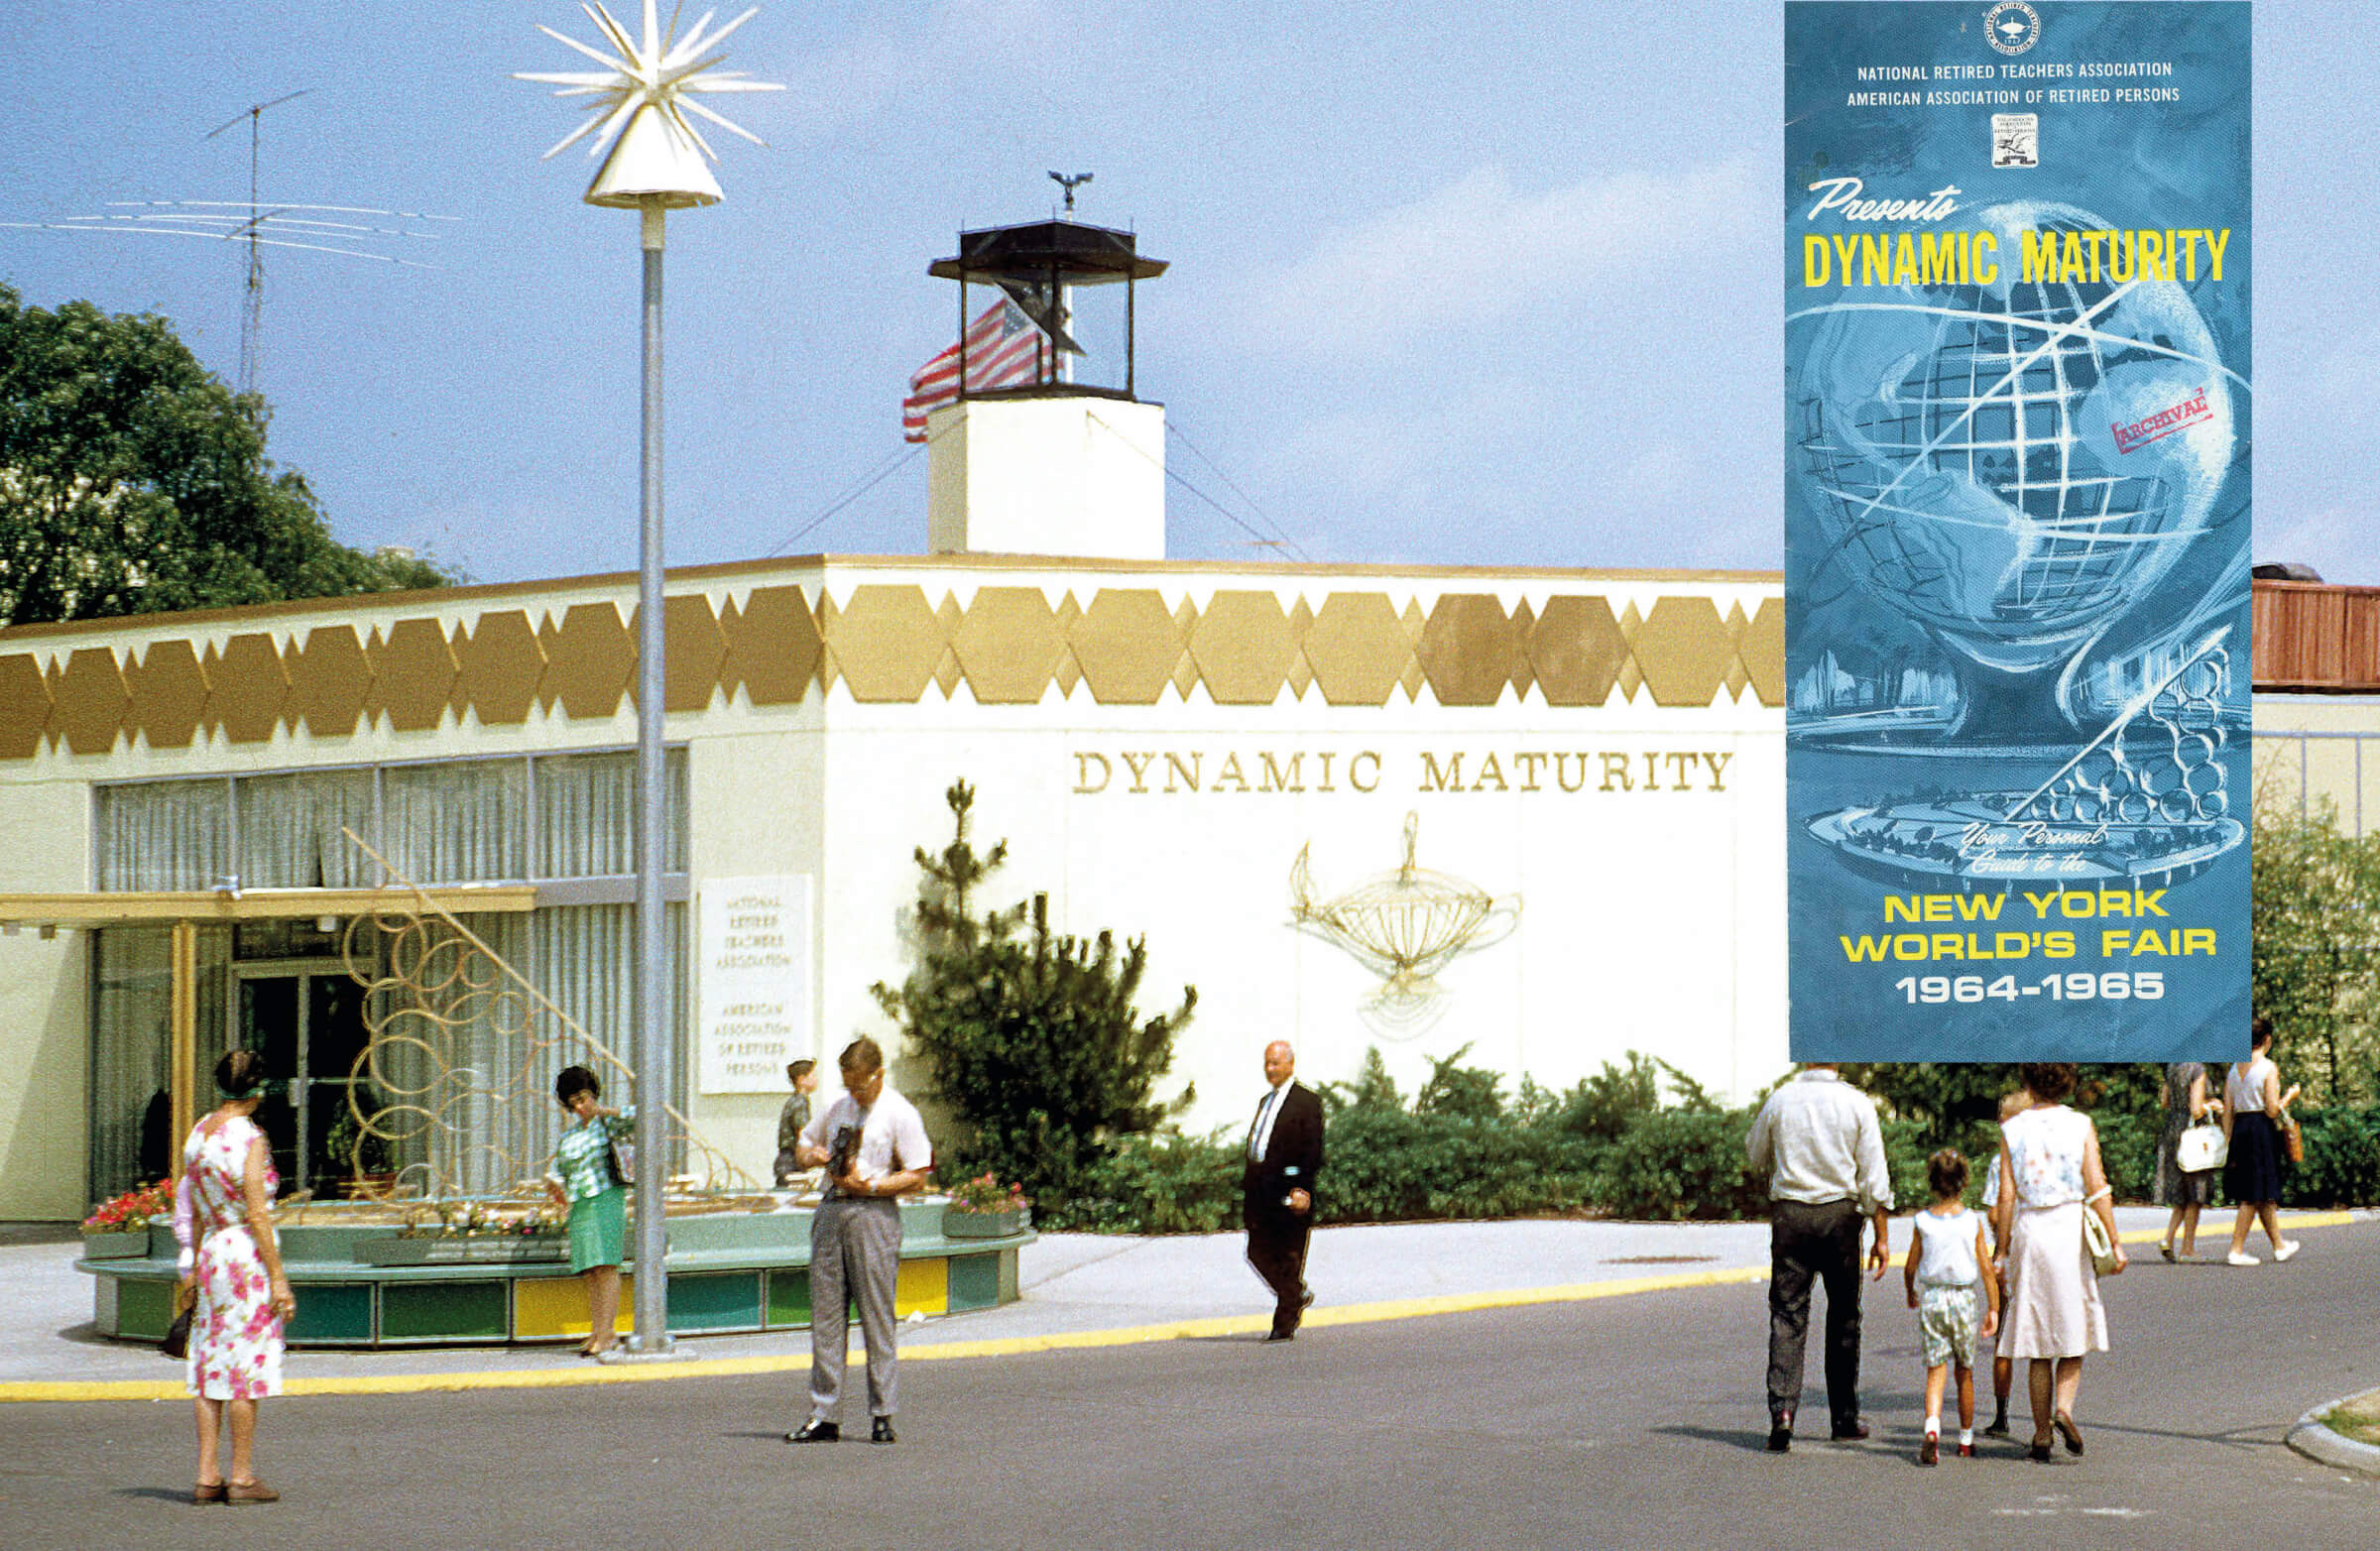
2016,530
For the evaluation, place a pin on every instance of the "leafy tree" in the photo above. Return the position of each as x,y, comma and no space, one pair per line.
2317,944
132,480
1031,1039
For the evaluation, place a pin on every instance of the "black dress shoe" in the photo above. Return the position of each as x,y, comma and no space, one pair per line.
1849,1432
881,1431
1998,1428
1280,1335
815,1431
1780,1433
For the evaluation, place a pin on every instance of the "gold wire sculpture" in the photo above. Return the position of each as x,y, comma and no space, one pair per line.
1403,926
462,1050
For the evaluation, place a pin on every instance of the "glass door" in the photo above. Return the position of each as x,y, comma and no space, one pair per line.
307,1022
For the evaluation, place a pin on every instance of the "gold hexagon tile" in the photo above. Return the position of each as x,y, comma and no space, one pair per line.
168,693
498,667
693,650
1185,617
1414,621
948,674
773,646
1524,620
590,659
329,677
1357,649
1185,676
1469,649
1127,645
90,700
24,705
1576,651
1007,644
1412,679
1300,675
731,666
246,687
1244,647
1683,651
1737,681
413,673
1632,678
1762,648
886,642
1069,673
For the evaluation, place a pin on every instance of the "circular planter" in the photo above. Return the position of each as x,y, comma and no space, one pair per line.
980,1225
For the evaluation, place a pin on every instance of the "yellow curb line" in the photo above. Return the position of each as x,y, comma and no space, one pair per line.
723,1367
1012,1345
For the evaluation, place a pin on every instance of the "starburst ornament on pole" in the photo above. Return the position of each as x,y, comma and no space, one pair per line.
653,163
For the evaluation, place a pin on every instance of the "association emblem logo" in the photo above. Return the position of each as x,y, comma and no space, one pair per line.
2016,140
2012,26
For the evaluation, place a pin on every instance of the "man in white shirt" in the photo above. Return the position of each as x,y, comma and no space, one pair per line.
874,1148
1818,1139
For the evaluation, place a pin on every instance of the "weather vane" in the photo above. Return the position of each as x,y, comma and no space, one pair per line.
1070,185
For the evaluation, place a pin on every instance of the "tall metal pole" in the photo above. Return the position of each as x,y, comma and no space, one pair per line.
651,1043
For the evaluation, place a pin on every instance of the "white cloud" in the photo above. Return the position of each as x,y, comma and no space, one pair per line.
920,60
1479,252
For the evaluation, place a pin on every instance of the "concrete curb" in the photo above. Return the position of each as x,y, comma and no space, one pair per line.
2319,1443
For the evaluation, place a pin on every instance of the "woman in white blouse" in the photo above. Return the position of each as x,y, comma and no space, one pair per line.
2050,1175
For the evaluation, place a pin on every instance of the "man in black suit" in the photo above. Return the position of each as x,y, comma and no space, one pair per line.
1285,1155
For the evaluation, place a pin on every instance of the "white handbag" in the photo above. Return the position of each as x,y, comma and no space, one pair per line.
2096,1238
2201,1148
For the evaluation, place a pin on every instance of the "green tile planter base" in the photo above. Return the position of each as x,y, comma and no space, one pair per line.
729,1273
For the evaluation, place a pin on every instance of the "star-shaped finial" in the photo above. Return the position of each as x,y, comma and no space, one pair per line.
660,80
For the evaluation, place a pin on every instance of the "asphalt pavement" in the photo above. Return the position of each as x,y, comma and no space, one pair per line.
1622,1409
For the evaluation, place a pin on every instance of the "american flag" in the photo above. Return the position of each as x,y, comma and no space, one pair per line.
1003,350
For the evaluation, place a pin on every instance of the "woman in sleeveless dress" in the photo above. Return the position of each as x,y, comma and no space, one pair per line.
231,1263
2049,1176
2253,1106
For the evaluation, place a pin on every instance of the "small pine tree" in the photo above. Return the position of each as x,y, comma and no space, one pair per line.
1031,1041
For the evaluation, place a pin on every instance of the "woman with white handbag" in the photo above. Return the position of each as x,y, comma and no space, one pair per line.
2187,1155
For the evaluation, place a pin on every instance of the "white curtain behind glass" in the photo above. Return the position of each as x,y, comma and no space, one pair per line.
461,822
164,835
290,830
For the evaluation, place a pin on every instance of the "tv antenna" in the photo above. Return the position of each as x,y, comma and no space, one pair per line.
1070,185
252,315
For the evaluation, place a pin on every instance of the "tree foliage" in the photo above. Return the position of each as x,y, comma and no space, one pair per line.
132,480
1029,1036
2316,945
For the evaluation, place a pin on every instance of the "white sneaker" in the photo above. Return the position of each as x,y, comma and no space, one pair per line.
2287,1247
2240,1257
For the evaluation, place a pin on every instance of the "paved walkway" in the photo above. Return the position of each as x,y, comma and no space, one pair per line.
1079,1290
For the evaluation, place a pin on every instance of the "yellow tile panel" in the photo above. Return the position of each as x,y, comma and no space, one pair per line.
169,691
924,1288
90,700
246,687
329,677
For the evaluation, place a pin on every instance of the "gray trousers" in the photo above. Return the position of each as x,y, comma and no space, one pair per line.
855,1257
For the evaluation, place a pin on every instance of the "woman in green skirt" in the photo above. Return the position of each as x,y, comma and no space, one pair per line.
586,1182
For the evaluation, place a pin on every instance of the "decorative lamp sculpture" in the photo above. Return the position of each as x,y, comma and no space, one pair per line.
652,161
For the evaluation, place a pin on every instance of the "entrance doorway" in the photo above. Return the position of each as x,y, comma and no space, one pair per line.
306,1019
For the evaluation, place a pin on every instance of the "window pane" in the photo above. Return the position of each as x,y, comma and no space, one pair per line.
164,835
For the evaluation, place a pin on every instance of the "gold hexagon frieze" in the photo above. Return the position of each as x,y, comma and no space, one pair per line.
1008,645
589,659
1763,648
24,705
1683,650
413,673
1469,649
773,646
498,667
329,676
1358,649
886,642
1127,645
1576,651
693,650
1243,645
168,694
90,700
247,687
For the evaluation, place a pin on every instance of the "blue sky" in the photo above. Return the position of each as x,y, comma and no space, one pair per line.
1491,284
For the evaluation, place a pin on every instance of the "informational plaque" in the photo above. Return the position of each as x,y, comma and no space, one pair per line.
2017,418
754,994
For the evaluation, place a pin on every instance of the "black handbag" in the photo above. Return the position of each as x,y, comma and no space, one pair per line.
176,1344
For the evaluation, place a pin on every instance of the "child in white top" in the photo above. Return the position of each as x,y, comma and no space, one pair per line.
1945,1281
2004,1371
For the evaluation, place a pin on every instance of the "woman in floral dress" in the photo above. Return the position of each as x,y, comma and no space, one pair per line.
230,1261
